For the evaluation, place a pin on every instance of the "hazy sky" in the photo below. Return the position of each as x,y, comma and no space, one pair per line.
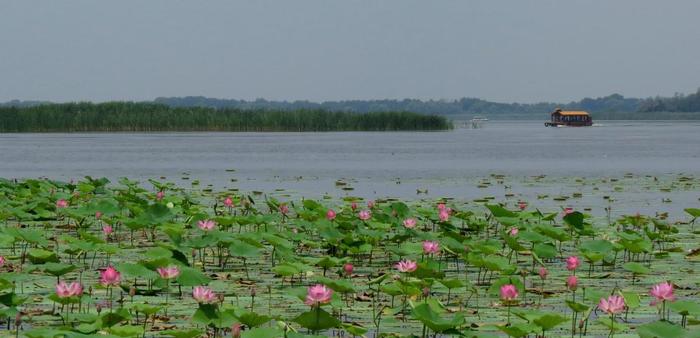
535,50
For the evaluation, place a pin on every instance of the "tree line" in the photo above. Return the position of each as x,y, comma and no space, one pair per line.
148,117
677,103
461,107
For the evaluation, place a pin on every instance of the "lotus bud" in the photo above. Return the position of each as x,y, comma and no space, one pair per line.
236,330
132,291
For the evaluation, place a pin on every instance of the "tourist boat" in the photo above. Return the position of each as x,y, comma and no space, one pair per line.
564,118
477,121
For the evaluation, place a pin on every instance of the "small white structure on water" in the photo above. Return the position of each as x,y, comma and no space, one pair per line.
477,122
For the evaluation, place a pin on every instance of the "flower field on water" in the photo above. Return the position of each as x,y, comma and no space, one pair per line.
124,259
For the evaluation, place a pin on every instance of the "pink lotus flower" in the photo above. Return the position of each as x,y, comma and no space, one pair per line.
317,295
406,266
348,268
204,295
206,225
431,247
370,204
572,282
509,292
330,214
2,261
353,206
614,304
409,223
110,276
64,290
513,231
236,330
60,204
662,292
169,272
568,211
522,205
107,230
98,215
444,216
364,215
444,208
228,201
543,273
160,195
572,263
284,209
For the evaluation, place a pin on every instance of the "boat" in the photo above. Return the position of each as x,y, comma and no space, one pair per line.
569,118
477,121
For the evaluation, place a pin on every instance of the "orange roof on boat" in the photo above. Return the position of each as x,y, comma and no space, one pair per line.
570,112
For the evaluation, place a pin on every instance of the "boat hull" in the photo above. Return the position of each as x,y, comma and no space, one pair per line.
569,124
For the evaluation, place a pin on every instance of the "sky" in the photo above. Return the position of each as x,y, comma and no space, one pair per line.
506,51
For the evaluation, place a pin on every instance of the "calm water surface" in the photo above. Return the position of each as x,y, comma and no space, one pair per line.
375,164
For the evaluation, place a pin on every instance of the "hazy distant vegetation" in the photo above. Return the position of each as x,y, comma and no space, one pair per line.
678,103
130,116
609,107
462,107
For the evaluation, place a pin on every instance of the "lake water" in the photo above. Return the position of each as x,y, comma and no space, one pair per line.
375,164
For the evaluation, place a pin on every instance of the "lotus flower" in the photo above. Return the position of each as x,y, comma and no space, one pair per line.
406,266
431,247
444,215
572,263
364,215
317,295
204,295
60,204
568,211
228,201
330,214
353,206
613,305
409,223
107,230
169,272
64,290
98,215
206,225
509,292
522,205
572,282
348,268
2,261
160,195
662,292
543,273
110,276
284,209
370,204
441,206
236,330
513,231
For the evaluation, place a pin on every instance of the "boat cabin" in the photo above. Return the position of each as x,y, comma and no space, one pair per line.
569,118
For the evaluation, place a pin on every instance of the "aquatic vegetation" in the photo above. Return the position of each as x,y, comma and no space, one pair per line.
126,259
145,117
